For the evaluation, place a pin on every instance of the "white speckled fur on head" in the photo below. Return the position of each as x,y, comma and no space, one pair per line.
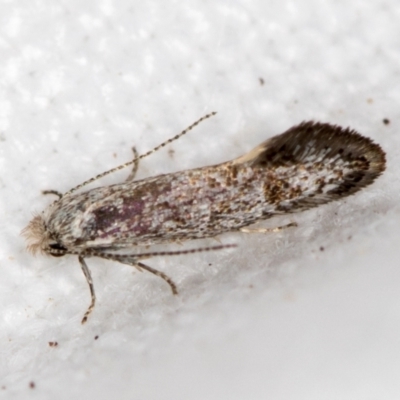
308,165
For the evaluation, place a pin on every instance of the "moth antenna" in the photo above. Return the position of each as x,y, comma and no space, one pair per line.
122,166
129,257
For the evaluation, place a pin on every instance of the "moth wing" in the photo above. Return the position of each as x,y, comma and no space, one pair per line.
339,158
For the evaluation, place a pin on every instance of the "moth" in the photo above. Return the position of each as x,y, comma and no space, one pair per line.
308,165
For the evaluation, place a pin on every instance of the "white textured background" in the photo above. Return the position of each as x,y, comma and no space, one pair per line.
310,313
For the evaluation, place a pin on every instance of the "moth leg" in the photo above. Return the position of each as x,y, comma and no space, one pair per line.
160,274
88,277
132,175
55,192
132,261
268,230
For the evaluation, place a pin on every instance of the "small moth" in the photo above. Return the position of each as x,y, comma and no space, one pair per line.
308,165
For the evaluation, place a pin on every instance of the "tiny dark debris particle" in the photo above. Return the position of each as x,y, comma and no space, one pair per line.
53,344
386,121
322,248
32,385
261,80
96,337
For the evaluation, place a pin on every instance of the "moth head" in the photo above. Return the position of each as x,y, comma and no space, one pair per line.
39,238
